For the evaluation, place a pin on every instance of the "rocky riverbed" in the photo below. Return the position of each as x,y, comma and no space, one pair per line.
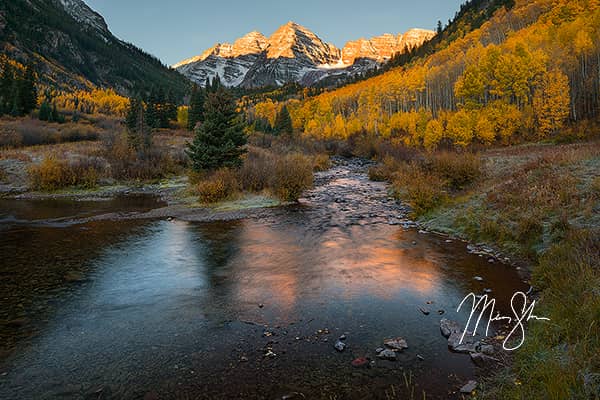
339,296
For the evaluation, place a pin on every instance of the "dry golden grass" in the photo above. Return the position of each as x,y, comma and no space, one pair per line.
54,173
285,176
217,186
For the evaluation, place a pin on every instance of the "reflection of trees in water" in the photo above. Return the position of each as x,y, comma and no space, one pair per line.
218,244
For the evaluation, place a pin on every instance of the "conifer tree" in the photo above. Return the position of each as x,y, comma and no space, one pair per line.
283,122
28,91
6,86
138,131
216,83
151,116
45,113
220,140
196,110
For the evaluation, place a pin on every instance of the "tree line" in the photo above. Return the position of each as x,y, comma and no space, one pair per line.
18,91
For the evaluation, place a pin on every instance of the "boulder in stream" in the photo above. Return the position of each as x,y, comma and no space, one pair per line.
468,344
387,354
397,344
448,327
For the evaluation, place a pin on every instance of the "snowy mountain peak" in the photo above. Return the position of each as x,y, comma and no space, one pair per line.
293,53
295,41
250,43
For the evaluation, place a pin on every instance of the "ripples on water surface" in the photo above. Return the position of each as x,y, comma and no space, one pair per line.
170,309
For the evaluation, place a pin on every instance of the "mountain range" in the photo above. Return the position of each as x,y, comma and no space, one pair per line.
294,54
71,47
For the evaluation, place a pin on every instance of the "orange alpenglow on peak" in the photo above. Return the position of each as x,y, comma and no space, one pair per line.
293,53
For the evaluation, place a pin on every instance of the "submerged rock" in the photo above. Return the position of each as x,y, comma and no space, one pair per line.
396,343
447,327
339,346
469,387
387,354
468,344
360,362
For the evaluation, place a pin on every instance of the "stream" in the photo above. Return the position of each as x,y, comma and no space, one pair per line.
157,308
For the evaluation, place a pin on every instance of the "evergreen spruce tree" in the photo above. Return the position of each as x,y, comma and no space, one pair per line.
220,140
45,113
151,116
216,83
138,131
55,115
6,86
15,102
170,106
161,109
207,85
28,91
283,122
196,111
131,114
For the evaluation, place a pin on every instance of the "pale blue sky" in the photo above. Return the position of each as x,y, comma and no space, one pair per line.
177,29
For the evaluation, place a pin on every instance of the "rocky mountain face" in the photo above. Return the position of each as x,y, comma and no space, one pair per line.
294,54
71,46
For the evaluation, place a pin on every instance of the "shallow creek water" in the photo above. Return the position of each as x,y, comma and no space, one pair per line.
249,308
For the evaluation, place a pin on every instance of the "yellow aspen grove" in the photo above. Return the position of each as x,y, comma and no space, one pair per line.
484,130
461,127
434,132
551,103
499,70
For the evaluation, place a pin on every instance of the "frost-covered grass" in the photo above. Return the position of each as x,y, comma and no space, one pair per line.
541,203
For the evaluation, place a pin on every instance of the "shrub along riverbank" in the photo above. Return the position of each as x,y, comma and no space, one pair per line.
540,204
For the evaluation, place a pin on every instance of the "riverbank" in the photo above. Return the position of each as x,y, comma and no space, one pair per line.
539,205
268,177
171,308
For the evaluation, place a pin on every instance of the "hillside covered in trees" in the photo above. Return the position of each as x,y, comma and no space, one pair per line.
522,75
70,47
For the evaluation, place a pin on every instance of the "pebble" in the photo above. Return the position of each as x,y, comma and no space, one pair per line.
339,346
270,354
